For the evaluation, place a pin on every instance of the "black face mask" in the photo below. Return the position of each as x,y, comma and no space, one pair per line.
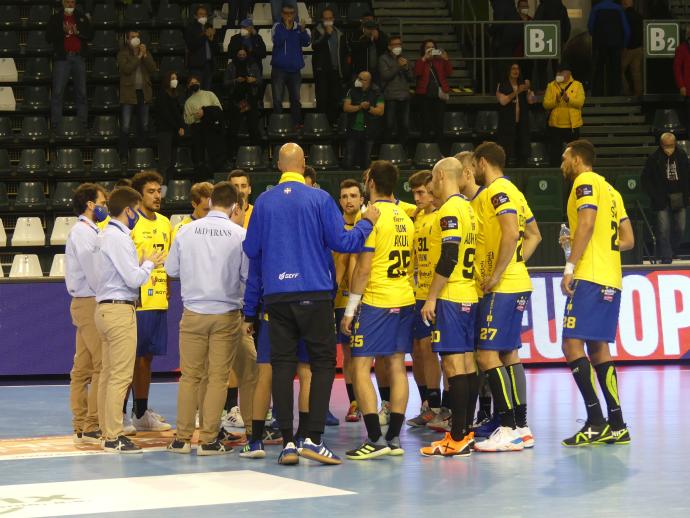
194,88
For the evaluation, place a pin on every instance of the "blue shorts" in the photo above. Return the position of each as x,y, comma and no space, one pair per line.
500,321
340,338
152,333
420,330
382,331
263,346
454,328
592,312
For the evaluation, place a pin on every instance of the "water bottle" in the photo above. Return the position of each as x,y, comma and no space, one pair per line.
565,232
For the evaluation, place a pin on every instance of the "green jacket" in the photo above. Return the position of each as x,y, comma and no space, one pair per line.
127,62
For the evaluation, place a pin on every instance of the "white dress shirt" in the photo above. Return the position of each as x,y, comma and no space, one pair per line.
81,276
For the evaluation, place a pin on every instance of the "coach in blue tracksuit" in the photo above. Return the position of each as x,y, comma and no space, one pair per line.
292,232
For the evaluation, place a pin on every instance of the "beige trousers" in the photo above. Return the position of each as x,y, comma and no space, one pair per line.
632,59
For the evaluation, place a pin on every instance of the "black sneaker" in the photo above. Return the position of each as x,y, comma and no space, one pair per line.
620,436
91,437
213,448
121,445
179,446
225,436
588,435
272,436
368,450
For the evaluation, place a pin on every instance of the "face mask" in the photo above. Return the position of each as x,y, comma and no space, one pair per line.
134,42
202,20
100,213
560,79
524,11
69,10
396,51
328,23
244,32
173,83
358,84
132,221
194,88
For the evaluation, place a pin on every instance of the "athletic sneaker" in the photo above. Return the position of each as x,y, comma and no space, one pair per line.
225,436
148,423
621,436
127,426
527,437
589,434
272,436
385,413
77,437
213,448
369,450
396,449
299,443
331,420
233,419
253,450
441,421
87,437
318,452
353,413
179,446
426,414
503,439
489,427
289,455
121,445
480,421
447,447
269,417
156,415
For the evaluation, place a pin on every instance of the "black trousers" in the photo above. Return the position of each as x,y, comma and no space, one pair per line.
167,146
432,110
312,321
558,138
329,94
607,71
208,148
515,142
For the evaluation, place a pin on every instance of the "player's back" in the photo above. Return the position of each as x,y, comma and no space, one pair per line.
476,202
185,221
427,250
391,242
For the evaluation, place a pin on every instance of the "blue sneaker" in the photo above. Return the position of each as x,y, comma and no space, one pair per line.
319,452
289,456
253,450
488,428
299,441
331,420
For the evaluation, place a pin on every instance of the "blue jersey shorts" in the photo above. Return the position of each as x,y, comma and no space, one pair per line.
152,332
420,330
499,322
592,312
263,345
454,328
382,331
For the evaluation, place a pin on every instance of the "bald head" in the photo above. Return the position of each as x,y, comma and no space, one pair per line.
450,166
291,158
668,143
445,176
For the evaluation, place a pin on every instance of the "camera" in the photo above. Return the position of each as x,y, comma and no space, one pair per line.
436,52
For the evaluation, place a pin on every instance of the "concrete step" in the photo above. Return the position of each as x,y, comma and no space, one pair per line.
621,161
612,110
612,119
605,101
400,12
639,129
644,151
392,27
630,140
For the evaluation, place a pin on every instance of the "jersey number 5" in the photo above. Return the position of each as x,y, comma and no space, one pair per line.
400,263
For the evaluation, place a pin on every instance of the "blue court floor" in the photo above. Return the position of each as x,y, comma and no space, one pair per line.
647,478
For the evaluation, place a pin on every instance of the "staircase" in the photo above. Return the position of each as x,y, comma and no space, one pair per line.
680,9
389,12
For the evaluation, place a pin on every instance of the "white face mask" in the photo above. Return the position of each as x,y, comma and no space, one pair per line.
396,51
134,42
173,83
69,10
524,11
244,32
560,78
358,83
328,23
202,20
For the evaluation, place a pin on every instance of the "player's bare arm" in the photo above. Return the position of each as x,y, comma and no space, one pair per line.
359,281
531,240
583,234
626,236
510,235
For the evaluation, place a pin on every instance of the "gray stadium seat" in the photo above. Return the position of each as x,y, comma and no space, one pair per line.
32,161
6,133
666,120
322,156
183,161
136,15
34,129
105,15
172,64
106,161
105,97
280,126
68,162
40,14
394,153
30,195
456,124
105,69
37,69
171,41
168,14
9,16
250,158
104,42
36,43
316,126
355,10
4,198
177,194
105,127
538,156
5,164
486,124
36,98
140,158
426,155
70,129
9,43
538,122
459,147
62,197
684,145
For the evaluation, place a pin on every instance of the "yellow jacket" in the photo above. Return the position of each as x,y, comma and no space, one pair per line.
565,114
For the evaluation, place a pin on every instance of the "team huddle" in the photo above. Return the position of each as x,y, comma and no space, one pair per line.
444,278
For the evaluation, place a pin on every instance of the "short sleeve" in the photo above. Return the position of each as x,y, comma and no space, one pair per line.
448,221
502,203
370,243
529,215
586,192
622,213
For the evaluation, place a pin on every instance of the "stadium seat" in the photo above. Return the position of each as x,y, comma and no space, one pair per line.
261,14
105,127
275,156
105,69
57,267
486,124
538,122
538,156
70,129
63,194
303,14
176,218
34,129
322,156
7,100
8,71
355,10
37,69
106,161
26,266
426,155
6,133
544,194
177,194
108,185
105,97
9,43
36,98
136,15
459,147
61,228
172,64
140,158
9,16
307,95
316,126
308,70
684,145
168,13
666,120
229,33
105,42
40,14
30,195
456,124
105,15
36,43
394,153
280,126
68,162
630,187
250,158
183,161
32,161
3,235
5,165
4,198
268,40
28,232
171,41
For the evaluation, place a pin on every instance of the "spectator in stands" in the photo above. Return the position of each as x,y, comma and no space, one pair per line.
136,67
169,121
631,60
551,10
564,98
514,97
277,8
364,106
243,81
238,12
251,41
309,176
69,31
396,75
610,32
367,49
204,116
330,65
289,36
681,69
431,71
200,49
666,180
505,37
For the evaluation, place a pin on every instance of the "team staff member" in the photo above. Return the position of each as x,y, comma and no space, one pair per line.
200,195
452,304
592,281
381,281
81,279
119,281
152,231
207,256
296,266
510,237
243,183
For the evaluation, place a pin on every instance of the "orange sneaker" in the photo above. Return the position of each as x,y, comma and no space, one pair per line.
447,447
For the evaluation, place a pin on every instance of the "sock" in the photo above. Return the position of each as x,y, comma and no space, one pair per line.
231,398
445,399
433,397
485,406
302,425
315,437
499,382
608,381
288,436
350,392
585,378
140,407
124,406
371,421
422,392
458,386
385,393
395,426
518,382
473,387
258,426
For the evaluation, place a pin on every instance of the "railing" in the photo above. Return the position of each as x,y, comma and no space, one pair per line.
651,254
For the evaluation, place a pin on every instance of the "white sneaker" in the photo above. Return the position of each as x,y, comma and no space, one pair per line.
156,415
527,437
148,423
127,426
503,439
385,413
233,419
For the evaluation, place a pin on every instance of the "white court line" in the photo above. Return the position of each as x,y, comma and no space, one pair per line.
61,454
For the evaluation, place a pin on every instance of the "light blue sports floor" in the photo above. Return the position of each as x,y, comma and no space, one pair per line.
649,477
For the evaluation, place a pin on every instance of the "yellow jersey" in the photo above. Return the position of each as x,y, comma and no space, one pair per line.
601,261
457,223
343,292
502,197
180,224
247,215
427,250
101,226
409,208
147,235
476,204
392,243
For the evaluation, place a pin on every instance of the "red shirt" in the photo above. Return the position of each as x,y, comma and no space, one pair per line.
681,66
72,42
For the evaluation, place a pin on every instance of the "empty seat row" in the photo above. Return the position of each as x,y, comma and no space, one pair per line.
28,231
28,265
36,129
